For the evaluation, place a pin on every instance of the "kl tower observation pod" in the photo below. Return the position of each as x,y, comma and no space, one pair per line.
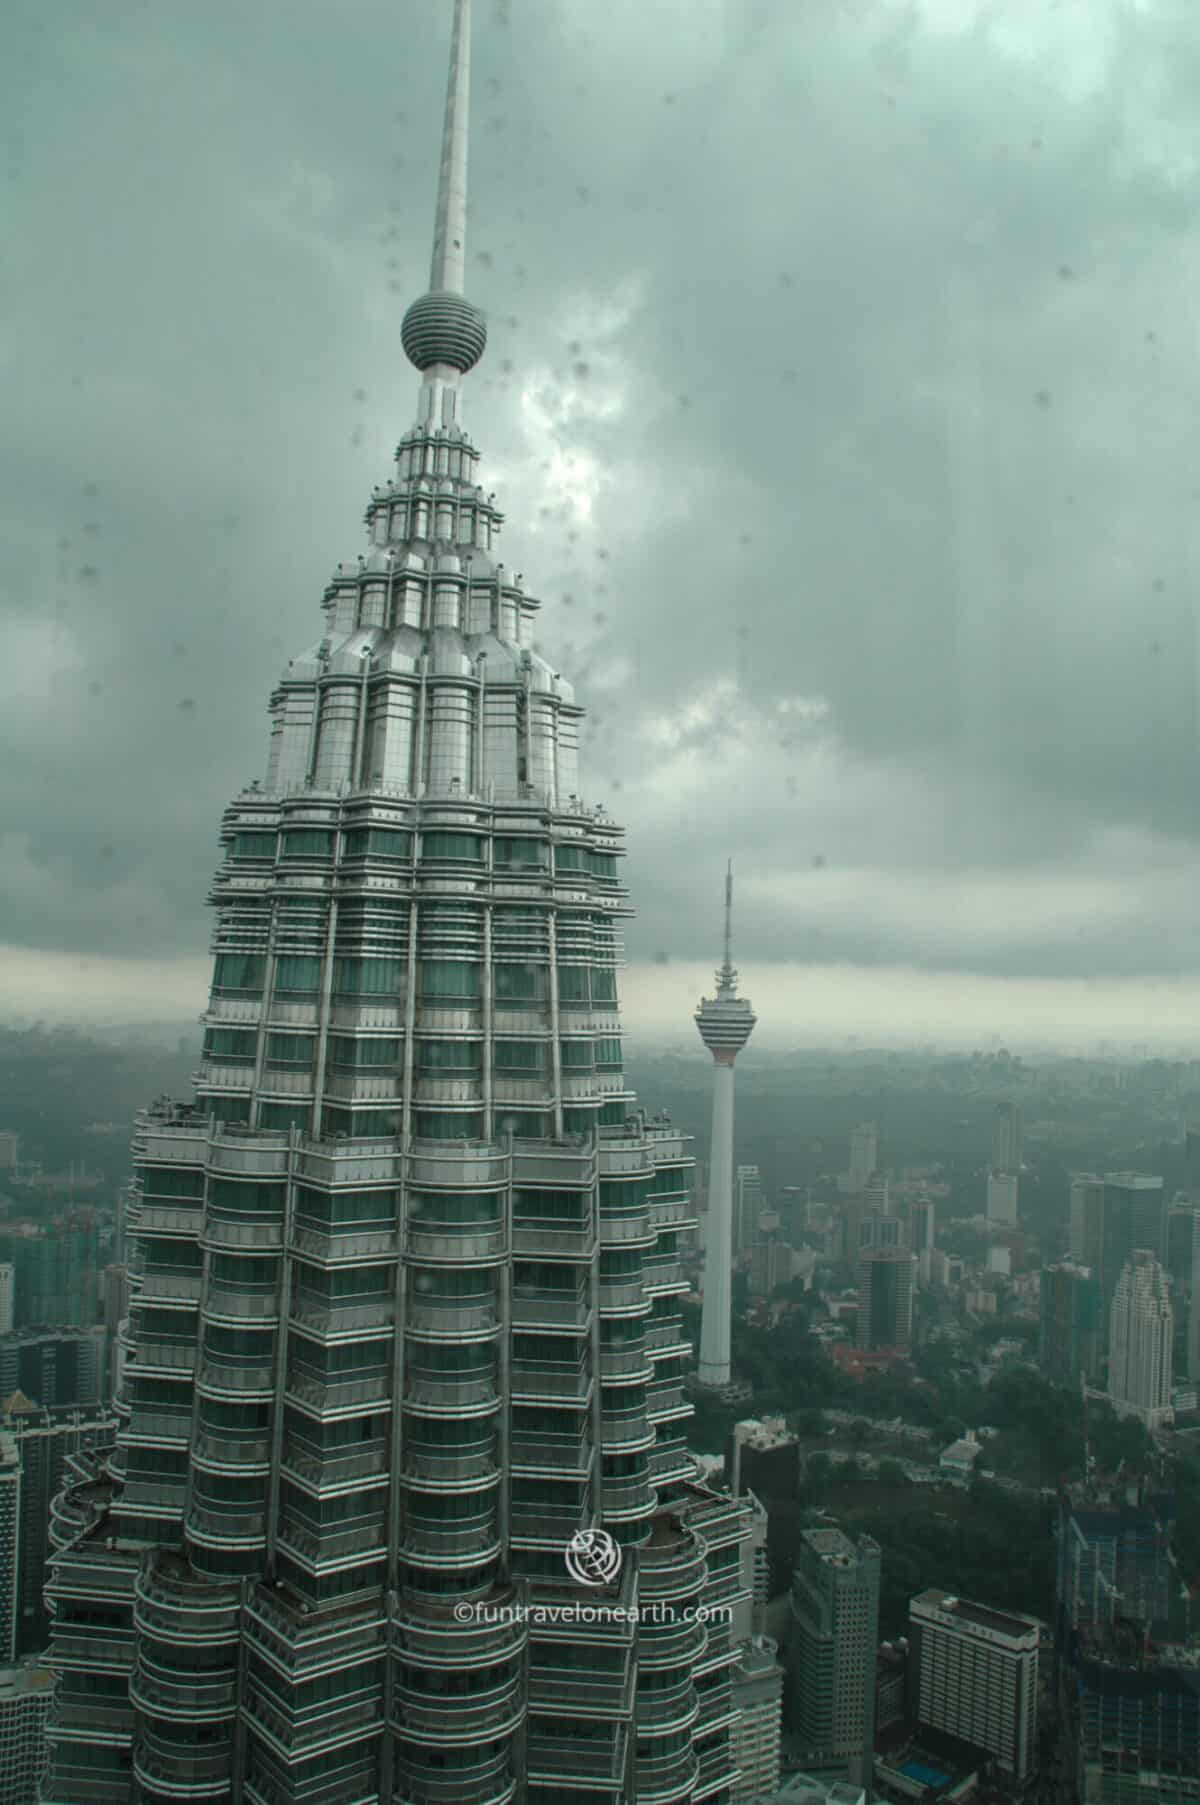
726,1023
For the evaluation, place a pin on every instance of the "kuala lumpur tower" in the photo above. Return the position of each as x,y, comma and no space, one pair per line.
726,1023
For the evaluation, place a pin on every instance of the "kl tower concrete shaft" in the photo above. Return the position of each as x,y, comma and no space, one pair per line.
726,1023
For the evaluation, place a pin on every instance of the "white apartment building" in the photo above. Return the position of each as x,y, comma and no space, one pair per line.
977,1676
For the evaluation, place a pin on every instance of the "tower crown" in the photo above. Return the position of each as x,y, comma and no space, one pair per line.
727,1020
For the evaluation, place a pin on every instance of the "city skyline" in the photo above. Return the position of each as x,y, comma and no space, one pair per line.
966,797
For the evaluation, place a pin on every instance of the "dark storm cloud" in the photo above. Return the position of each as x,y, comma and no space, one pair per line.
866,327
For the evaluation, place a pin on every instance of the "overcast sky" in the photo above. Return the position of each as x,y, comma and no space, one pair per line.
841,393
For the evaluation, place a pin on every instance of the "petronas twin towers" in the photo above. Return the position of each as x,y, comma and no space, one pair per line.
406,1295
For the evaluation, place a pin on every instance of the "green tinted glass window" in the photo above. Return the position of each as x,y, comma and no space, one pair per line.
297,973
373,1055
441,1125
307,843
512,852
254,846
573,984
239,971
368,977
449,1056
378,843
526,1057
451,846
520,983
234,1045
452,979
290,1049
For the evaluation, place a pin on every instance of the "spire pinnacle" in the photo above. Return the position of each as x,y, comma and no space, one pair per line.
443,333
727,977
447,270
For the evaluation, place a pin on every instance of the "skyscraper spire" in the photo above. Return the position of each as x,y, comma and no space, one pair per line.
727,977
443,333
447,270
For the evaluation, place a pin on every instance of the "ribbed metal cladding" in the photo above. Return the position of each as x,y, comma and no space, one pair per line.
444,329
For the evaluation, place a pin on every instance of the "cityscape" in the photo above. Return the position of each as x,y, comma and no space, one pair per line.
419,1387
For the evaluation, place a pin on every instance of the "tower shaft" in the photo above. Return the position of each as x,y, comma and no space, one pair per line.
726,1023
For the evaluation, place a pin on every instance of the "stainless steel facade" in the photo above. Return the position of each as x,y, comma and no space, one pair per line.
405,1281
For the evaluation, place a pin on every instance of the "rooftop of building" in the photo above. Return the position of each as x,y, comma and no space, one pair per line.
981,1616
24,1681
764,1432
963,1452
758,1658
810,1789
832,1546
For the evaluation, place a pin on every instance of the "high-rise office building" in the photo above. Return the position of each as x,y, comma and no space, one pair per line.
864,1156
56,1269
1141,1342
406,1329
976,1676
879,1231
1072,1324
1177,1244
1003,1191
748,1202
922,1229
46,1442
726,1023
832,1638
758,1696
7,1284
872,1199
1191,1163
1006,1138
1109,1218
10,1546
1193,1339
770,1265
25,1694
53,1367
757,1676
887,1280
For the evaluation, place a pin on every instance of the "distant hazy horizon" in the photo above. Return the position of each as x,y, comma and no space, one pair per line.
797,1006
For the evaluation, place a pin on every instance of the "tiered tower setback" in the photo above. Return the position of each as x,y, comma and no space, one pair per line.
726,1023
405,1281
